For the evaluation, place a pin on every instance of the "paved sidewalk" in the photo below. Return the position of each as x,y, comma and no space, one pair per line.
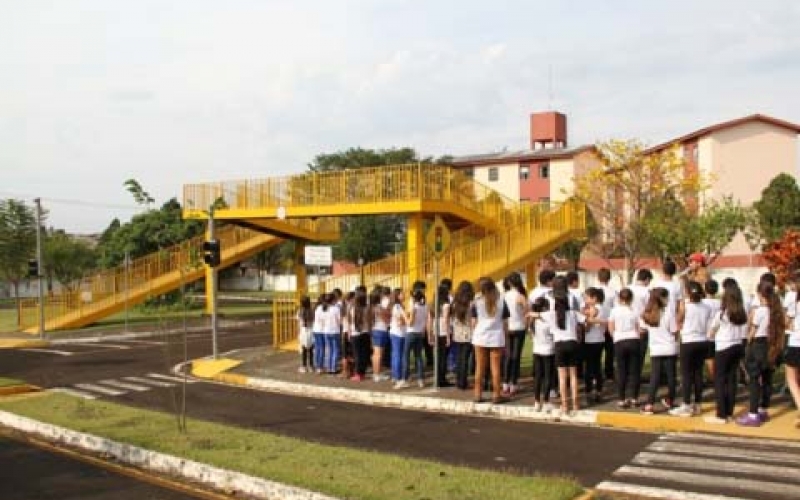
276,371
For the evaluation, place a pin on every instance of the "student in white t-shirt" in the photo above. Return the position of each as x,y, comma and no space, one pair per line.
543,356
792,358
517,303
623,323
659,321
593,342
489,328
610,300
727,329
641,294
711,289
669,283
764,345
694,318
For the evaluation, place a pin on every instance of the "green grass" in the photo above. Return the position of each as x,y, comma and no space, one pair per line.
8,320
6,382
338,471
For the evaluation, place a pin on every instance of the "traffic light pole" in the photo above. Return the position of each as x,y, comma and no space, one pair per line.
40,262
211,237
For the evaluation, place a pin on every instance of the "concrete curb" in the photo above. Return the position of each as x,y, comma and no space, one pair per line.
6,343
405,401
215,477
11,390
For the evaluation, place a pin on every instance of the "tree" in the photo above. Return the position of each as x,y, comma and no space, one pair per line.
776,211
67,259
17,241
672,231
783,255
621,191
367,237
140,196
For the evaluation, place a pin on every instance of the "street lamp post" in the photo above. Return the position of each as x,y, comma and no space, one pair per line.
361,269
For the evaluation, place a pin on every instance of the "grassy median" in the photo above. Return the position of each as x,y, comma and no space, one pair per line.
7,382
333,470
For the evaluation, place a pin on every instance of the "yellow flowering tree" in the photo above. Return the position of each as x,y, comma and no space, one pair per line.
620,192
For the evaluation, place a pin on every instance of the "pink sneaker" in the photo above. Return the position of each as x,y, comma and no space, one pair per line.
356,378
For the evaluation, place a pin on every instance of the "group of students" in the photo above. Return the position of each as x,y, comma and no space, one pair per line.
680,321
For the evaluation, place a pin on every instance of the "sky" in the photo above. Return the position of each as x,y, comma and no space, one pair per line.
95,92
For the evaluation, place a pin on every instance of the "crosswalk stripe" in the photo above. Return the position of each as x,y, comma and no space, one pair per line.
723,451
728,440
145,342
124,385
148,381
711,481
49,351
171,379
660,493
100,389
73,392
718,466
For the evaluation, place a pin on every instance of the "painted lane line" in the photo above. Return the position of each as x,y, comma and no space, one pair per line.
100,389
49,351
73,392
661,493
148,381
752,486
714,465
144,342
171,379
124,385
101,345
723,451
727,440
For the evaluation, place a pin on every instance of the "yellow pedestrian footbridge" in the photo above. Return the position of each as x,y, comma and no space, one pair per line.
491,235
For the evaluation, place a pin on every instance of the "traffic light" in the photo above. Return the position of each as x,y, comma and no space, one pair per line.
33,268
438,236
211,252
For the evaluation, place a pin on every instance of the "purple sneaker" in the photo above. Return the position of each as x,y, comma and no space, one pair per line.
763,416
749,420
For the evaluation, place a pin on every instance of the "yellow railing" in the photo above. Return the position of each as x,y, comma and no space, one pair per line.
152,274
546,227
372,185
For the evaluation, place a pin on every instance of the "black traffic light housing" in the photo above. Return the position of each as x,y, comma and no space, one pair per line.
211,253
33,268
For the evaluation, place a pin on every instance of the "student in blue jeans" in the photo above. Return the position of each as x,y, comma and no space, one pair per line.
332,332
417,321
397,335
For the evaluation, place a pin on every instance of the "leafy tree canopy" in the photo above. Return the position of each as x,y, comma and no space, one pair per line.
777,211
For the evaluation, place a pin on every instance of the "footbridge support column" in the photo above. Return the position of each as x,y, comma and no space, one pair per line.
300,268
414,247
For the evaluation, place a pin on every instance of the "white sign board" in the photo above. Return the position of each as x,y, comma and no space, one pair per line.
318,256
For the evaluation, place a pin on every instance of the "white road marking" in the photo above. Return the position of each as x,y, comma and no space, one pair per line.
728,440
49,351
101,344
73,392
753,455
145,342
661,493
125,385
711,481
147,381
715,465
100,389
171,379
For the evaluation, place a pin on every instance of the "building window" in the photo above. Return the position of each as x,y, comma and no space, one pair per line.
544,171
469,172
493,176
524,172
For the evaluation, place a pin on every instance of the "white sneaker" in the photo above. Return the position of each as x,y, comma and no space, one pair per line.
401,385
683,410
420,383
383,377
537,407
302,369
376,378
547,408
715,420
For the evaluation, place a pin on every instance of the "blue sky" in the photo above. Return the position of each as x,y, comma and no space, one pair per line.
172,92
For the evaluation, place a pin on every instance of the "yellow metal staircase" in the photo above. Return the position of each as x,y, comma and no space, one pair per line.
113,290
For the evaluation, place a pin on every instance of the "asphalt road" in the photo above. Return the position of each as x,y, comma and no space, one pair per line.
31,473
588,454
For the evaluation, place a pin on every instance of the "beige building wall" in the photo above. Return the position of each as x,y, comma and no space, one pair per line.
507,182
743,161
562,173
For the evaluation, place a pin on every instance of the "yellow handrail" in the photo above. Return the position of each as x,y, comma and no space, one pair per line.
370,185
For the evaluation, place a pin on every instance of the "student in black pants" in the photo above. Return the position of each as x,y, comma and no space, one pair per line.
609,301
543,357
728,328
596,324
462,331
695,318
662,329
360,330
624,327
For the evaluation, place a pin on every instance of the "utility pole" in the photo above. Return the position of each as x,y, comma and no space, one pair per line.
40,261
211,237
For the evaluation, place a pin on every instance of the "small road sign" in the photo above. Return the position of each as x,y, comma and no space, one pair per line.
318,256
438,237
